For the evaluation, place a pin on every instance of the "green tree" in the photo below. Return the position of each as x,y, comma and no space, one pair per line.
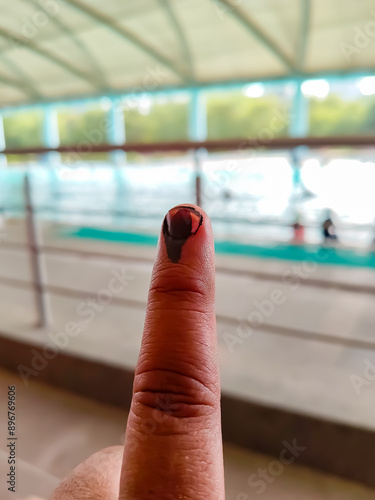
89,126
164,122
233,115
23,129
336,116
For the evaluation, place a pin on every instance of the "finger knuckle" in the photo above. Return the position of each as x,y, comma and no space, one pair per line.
169,395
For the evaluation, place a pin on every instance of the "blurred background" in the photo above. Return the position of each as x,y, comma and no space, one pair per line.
263,113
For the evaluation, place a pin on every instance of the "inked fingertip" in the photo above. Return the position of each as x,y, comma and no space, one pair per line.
179,225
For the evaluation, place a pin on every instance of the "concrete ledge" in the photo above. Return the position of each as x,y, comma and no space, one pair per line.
338,449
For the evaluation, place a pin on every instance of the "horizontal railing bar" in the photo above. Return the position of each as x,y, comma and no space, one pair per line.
13,245
211,145
306,335
96,255
314,282
318,283
259,222
266,328
15,283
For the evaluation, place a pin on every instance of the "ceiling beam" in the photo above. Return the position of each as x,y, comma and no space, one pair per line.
213,86
129,36
77,41
166,5
24,78
10,82
19,41
252,28
304,36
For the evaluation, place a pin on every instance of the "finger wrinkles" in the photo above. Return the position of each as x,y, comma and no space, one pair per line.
187,280
172,395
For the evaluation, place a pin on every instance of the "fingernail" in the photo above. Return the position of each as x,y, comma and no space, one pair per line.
179,224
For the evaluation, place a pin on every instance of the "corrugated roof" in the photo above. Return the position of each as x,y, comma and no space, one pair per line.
56,49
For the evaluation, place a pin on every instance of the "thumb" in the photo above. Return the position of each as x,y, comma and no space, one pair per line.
173,446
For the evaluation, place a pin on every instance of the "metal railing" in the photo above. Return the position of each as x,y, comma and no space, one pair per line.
35,248
239,144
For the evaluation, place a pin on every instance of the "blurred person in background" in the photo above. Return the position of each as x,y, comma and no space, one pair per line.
328,228
298,231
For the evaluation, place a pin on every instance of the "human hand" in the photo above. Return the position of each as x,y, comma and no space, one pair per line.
173,444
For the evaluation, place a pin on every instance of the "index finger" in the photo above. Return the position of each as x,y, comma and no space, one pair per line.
173,445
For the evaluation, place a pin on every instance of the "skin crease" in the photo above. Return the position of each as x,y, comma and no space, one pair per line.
173,444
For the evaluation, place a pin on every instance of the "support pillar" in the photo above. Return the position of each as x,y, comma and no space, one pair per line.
197,116
116,130
198,132
299,127
116,135
51,135
3,158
